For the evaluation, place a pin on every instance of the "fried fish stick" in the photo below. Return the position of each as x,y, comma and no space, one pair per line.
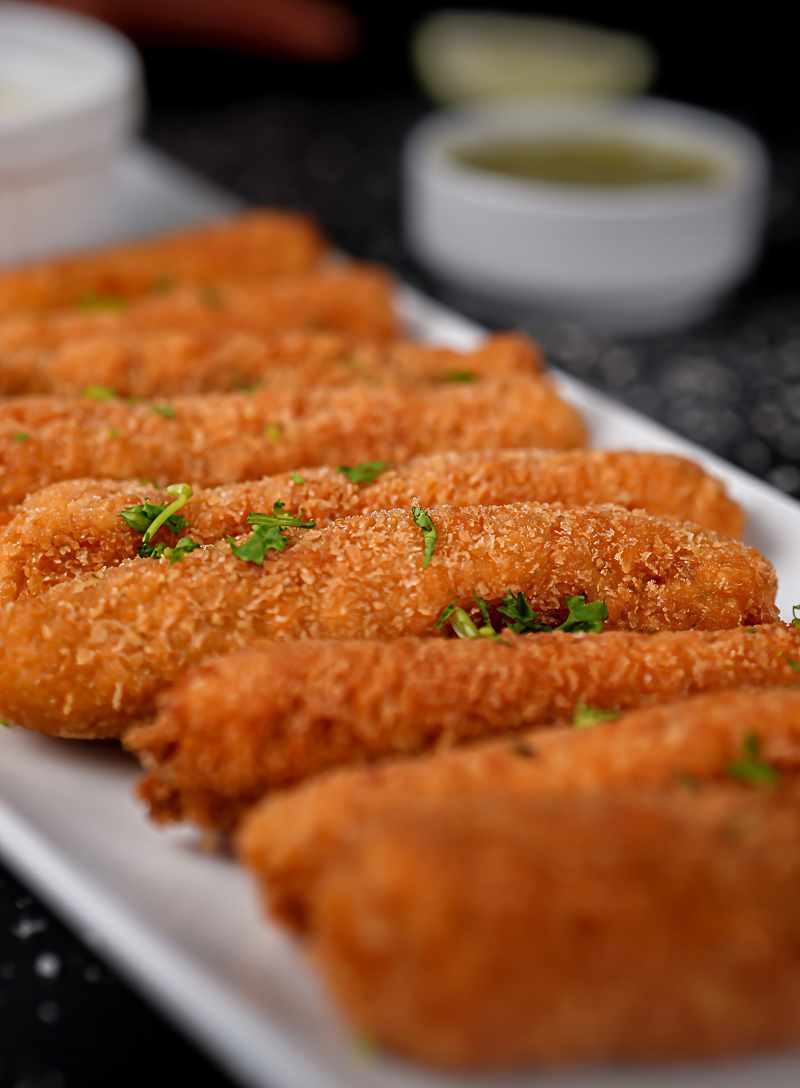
253,245
351,298
89,656
74,527
561,930
290,839
223,438
262,719
169,363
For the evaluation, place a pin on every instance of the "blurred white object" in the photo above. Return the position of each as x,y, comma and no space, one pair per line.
622,259
70,95
476,56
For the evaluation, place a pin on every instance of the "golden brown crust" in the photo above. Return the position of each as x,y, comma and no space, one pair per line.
272,716
224,438
168,363
74,527
291,838
89,656
251,245
350,298
559,930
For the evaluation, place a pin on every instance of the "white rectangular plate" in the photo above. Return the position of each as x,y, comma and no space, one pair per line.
184,927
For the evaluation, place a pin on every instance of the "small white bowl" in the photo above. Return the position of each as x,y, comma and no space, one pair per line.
70,95
625,260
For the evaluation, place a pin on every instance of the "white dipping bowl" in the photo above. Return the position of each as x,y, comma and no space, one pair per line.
70,95
622,259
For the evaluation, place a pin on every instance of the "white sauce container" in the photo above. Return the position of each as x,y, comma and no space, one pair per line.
70,96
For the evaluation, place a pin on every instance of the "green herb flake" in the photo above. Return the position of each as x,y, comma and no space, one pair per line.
795,616
518,611
99,393
750,630
523,749
20,436
247,388
113,433
461,376
364,472
750,768
583,616
424,521
462,623
297,479
789,660
272,430
165,410
687,781
268,533
212,297
148,517
587,716
5,724
94,302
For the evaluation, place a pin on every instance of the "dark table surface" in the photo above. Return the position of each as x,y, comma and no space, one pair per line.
732,385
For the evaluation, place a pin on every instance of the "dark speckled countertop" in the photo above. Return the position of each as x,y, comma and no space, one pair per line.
732,385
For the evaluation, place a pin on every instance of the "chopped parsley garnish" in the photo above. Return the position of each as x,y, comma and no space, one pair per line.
247,387
749,630
581,617
4,723
519,612
462,623
424,521
268,533
99,392
148,517
461,376
297,479
20,436
165,410
522,748
587,716
795,617
272,430
212,296
750,768
364,472
789,661
99,303
113,433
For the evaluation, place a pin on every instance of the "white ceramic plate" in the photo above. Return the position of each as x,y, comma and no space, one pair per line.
184,927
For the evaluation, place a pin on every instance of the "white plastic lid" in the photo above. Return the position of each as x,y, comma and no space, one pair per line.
67,84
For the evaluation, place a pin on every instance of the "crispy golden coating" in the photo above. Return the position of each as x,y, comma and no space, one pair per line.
169,363
350,298
559,930
253,245
291,838
74,527
241,726
222,438
89,656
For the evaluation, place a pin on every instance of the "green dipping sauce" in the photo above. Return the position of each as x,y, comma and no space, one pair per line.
586,161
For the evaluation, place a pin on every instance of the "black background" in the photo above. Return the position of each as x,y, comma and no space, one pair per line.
328,139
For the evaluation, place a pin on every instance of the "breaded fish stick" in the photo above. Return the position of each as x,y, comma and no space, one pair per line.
168,363
351,298
74,527
291,838
253,245
562,930
89,657
241,726
223,438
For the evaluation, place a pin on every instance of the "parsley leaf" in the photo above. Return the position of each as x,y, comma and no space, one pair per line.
113,433
99,392
750,768
297,479
272,430
522,748
99,303
447,612
20,436
583,616
424,521
521,614
461,376
462,623
364,472
268,533
4,723
586,716
148,517
165,410
484,608
795,617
